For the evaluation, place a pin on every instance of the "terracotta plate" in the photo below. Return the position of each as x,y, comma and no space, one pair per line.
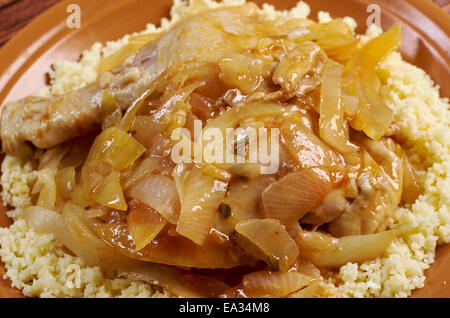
25,60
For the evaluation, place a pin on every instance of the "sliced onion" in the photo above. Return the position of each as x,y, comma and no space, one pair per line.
52,158
173,112
144,224
175,250
200,199
250,170
142,170
178,282
47,194
315,290
160,193
305,147
95,213
333,127
350,104
109,192
265,284
146,130
130,115
65,182
80,198
325,251
411,184
234,115
374,116
267,240
115,147
216,173
291,197
70,231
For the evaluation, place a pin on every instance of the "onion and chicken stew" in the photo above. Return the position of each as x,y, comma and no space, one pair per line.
109,191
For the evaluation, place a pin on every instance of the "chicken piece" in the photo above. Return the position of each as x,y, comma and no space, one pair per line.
203,38
331,208
380,190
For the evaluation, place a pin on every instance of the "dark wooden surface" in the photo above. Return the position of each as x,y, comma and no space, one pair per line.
15,14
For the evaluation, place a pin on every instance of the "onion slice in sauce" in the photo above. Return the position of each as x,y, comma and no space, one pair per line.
200,200
374,116
334,129
265,284
267,240
144,224
160,193
175,250
291,197
70,230
325,251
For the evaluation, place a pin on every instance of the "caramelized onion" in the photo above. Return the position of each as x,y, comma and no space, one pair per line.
200,198
175,250
144,224
230,119
70,231
160,193
52,158
202,107
109,192
267,240
143,169
47,194
314,290
265,284
291,197
116,148
180,283
374,116
411,184
65,182
234,115
305,147
333,127
325,251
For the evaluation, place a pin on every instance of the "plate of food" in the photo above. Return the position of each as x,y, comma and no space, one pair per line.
227,149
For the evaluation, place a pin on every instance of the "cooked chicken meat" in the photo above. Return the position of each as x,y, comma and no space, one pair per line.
47,122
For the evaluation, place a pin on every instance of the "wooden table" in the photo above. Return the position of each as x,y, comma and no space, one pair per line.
15,14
